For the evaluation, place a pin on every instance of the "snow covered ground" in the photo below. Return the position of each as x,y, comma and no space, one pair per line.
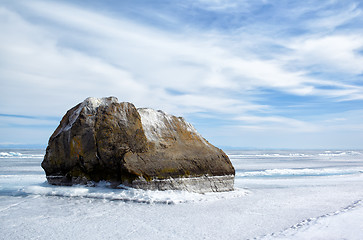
279,195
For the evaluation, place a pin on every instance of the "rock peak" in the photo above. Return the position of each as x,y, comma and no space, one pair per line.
102,139
94,102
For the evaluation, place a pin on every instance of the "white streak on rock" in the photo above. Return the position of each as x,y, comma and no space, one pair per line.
90,104
156,123
153,123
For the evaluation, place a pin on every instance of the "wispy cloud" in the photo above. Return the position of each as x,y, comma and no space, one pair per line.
264,123
334,53
191,58
331,18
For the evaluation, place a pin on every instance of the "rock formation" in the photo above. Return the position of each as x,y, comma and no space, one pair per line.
104,140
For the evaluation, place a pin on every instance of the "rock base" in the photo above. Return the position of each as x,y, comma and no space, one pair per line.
201,184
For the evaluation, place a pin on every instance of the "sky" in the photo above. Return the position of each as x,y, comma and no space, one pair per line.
247,74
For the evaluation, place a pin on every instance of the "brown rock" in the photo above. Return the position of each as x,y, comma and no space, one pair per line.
101,139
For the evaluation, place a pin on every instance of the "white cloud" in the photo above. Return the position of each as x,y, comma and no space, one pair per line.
333,18
10,121
221,5
275,123
53,55
128,60
337,53
133,57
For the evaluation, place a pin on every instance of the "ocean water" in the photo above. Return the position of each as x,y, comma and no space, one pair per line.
290,194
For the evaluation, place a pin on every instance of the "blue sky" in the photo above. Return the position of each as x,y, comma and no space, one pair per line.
251,74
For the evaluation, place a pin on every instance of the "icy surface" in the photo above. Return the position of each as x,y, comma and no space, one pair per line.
300,172
341,224
130,194
11,154
279,195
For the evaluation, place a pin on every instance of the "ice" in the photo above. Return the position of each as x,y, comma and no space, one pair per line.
131,194
301,172
9,154
339,153
288,154
342,224
296,195
19,155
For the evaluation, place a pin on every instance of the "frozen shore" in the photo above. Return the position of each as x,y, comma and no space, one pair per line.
346,223
279,195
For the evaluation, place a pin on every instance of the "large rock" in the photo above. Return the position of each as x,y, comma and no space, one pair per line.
102,139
